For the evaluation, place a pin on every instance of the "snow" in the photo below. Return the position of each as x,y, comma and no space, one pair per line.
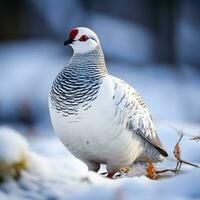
53,173
14,147
180,187
43,177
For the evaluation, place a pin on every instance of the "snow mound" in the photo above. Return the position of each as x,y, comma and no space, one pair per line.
14,147
16,158
38,165
27,175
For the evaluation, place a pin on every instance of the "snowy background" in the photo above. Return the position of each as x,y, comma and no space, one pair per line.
153,45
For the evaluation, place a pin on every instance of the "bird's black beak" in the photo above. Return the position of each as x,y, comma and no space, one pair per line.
69,41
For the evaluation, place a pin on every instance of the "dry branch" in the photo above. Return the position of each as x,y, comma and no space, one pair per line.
177,154
192,137
196,138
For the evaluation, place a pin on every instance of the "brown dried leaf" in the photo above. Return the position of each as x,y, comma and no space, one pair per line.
151,170
177,152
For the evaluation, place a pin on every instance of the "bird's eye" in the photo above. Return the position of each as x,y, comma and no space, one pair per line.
83,38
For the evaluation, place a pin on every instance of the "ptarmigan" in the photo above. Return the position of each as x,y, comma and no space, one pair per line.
98,117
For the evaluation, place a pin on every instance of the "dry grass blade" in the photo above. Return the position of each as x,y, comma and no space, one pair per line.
180,131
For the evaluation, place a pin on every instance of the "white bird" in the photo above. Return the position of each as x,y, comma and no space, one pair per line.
98,117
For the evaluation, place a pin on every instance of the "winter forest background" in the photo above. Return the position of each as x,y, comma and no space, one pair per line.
154,45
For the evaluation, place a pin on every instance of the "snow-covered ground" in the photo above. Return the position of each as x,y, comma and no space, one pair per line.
53,173
27,71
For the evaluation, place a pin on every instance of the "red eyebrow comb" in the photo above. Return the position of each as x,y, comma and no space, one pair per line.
73,33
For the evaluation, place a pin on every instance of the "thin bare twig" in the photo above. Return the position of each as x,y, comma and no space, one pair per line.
166,170
196,138
192,137
180,132
180,139
151,170
188,163
177,154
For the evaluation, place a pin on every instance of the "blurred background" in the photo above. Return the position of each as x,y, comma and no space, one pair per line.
152,44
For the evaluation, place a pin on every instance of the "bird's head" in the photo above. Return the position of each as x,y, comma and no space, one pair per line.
82,40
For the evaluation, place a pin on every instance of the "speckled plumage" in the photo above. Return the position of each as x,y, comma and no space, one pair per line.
100,118
78,83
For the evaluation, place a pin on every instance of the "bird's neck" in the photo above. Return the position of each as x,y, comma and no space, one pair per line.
91,64
77,85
